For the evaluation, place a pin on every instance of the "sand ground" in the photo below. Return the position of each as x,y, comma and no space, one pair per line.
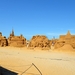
49,62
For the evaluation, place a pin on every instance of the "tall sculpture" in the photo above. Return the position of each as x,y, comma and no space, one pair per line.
17,41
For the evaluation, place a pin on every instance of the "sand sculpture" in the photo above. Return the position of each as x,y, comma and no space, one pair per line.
65,39
18,41
39,41
27,43
3,40
52,43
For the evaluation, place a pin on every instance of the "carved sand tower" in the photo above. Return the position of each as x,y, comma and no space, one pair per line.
17,41
68,37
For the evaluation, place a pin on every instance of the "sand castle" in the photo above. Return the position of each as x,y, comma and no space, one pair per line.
3,40
65,39
18,41
40,41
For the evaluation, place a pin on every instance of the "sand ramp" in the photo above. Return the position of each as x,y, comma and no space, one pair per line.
66,47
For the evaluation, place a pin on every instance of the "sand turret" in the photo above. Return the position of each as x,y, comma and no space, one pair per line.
12,34
68,35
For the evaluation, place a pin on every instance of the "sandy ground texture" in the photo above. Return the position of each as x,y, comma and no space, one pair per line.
50,62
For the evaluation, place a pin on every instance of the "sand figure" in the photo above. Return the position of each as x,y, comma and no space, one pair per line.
52,45
27,43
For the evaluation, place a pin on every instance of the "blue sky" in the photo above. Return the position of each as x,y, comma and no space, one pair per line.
33,17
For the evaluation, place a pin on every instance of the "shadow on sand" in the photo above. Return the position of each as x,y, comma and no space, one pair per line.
4,71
